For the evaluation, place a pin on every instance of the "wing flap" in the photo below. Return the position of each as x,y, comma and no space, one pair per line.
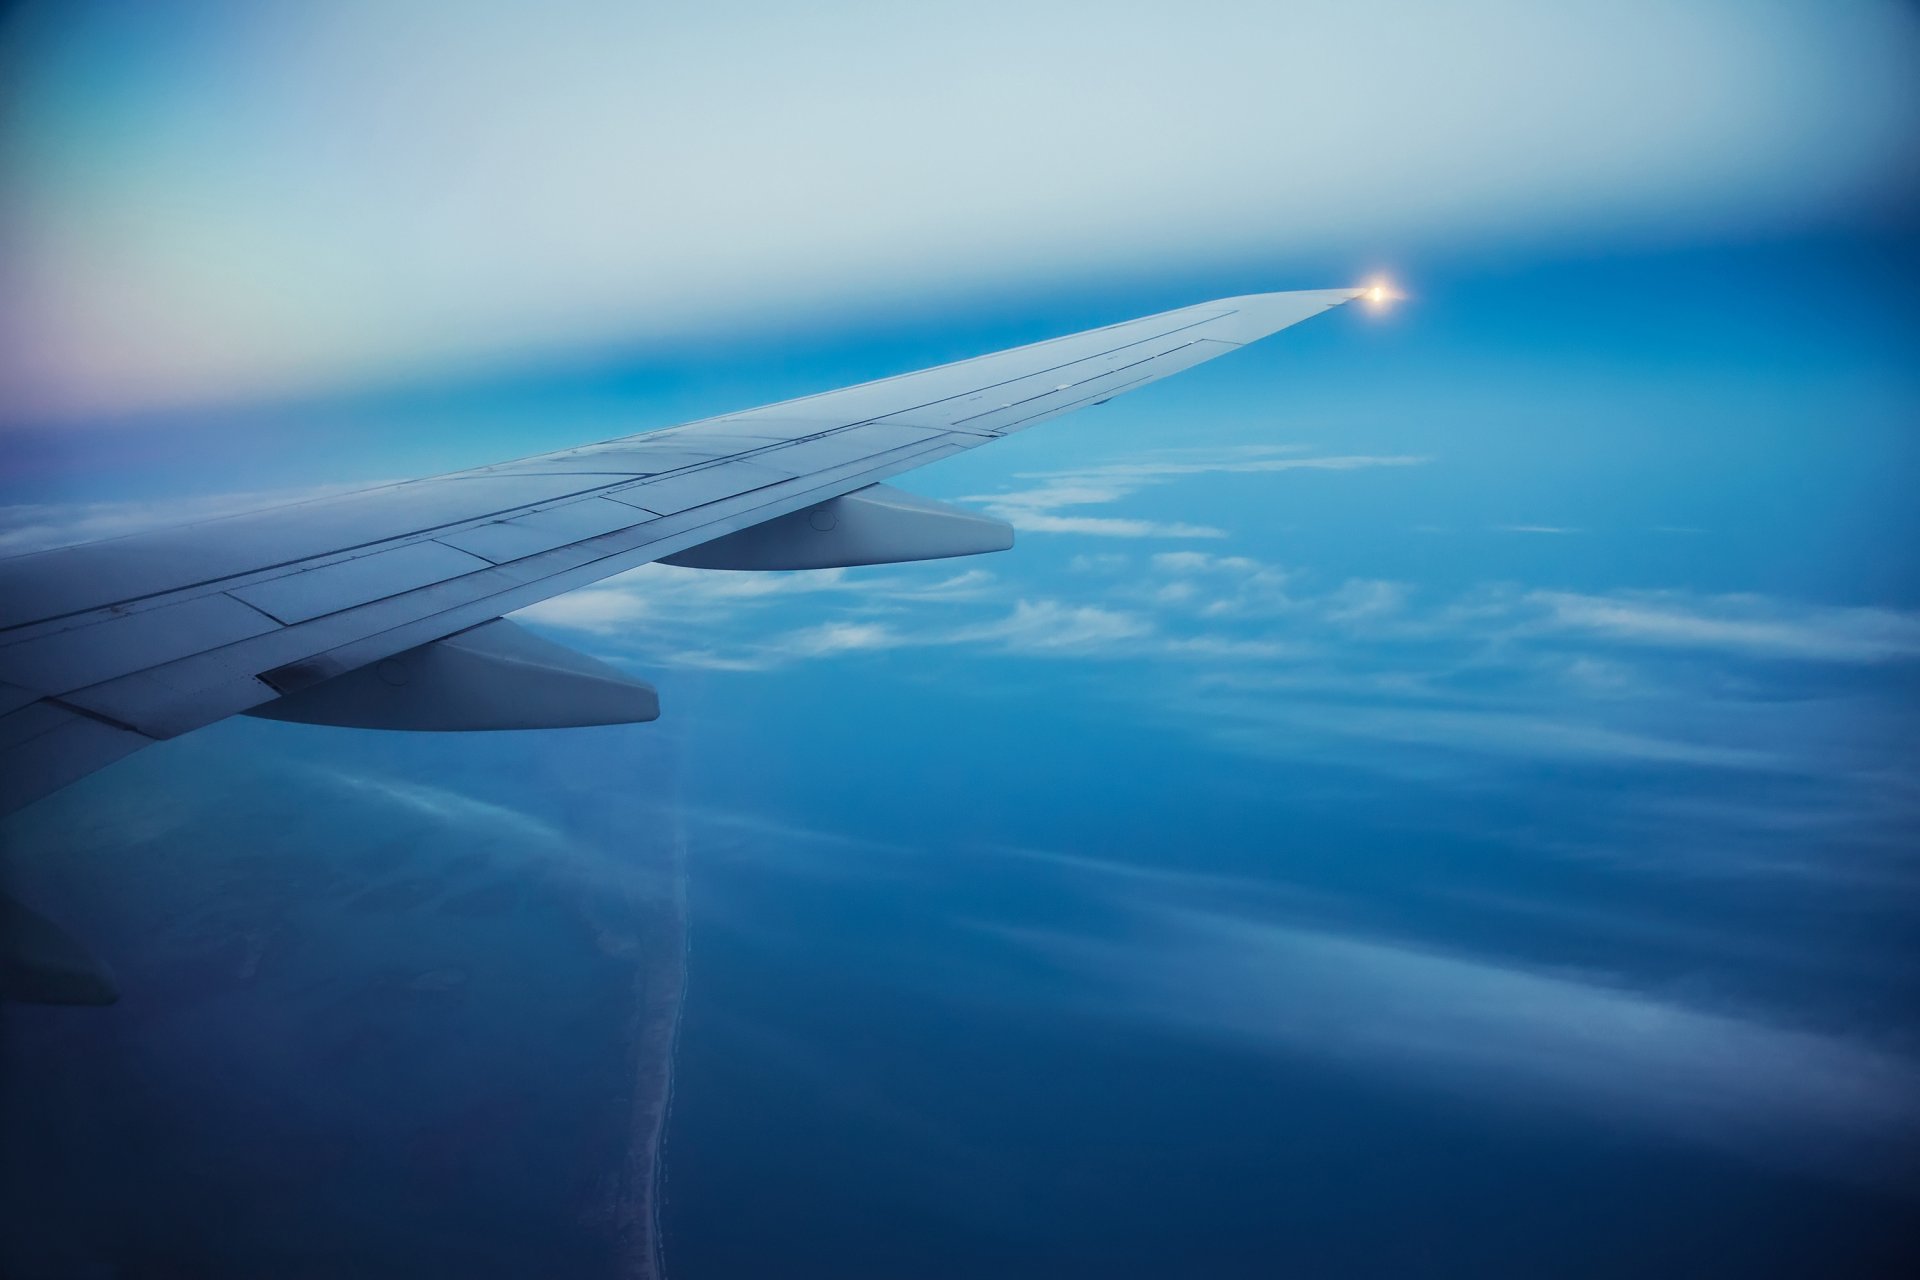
51,584
120,644
849,444
507,540
685,490
43,747
315,593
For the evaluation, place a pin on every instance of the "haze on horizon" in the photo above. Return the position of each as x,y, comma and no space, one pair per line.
223,202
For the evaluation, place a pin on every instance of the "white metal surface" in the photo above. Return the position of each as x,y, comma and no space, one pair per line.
314,593
364,576
522,536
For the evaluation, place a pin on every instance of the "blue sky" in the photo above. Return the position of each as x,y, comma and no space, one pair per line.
1450,757
218,203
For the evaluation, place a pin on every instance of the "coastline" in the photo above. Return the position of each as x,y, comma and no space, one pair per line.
660,935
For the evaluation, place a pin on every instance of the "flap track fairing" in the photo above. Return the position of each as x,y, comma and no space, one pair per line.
875,525
495,676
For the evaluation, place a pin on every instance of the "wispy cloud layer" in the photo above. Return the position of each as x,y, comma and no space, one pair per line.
1302,973
1036,509
1228,600
1377,677
1470,687
1747,624
1505,1032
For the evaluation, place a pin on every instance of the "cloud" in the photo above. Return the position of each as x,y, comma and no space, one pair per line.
601,610
1746,624
1049,626
832,638
529,843
1218,587
658,597
447,806
1361,599
1032,628
1580,735
1503,1032
1227,648
1029,521
715,660
1035,509
1361,673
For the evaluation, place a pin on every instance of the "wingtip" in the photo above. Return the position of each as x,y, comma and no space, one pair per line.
1377,292
1255,315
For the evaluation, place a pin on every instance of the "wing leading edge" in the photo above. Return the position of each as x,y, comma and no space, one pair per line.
110,646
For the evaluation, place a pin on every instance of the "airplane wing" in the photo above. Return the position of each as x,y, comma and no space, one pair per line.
383,608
